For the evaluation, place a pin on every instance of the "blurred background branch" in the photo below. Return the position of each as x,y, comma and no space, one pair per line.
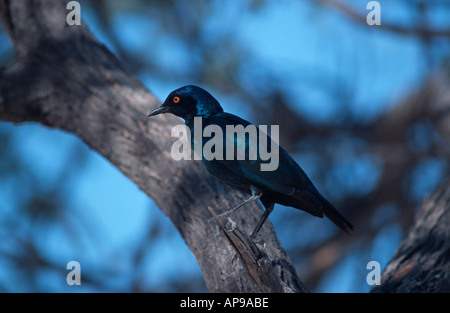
416,29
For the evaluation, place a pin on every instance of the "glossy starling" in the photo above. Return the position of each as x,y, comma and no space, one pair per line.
287,184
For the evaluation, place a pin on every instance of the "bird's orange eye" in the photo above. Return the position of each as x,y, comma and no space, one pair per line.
176,99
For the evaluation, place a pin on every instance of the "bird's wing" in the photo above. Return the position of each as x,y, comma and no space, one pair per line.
286,178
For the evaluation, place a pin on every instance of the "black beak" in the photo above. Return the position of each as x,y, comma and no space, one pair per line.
159,110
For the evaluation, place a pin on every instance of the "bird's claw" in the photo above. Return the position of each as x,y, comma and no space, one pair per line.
233,225
261,244
230,221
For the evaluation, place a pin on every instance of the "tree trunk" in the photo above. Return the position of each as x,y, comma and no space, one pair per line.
63,78
422,261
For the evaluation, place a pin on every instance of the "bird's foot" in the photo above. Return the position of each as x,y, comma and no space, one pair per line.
232,224
261,244
229,227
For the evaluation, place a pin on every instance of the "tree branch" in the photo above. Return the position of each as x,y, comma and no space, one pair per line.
65,79
420,31
422,261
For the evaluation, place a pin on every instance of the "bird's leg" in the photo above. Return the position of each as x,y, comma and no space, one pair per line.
256,194
266,214
240,204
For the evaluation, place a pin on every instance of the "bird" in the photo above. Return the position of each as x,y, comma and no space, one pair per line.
287,185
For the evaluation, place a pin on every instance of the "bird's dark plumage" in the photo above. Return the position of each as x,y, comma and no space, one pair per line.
287,184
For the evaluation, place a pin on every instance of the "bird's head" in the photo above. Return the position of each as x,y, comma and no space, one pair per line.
188,102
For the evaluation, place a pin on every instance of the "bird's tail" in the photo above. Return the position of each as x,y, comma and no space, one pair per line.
311,201
334,215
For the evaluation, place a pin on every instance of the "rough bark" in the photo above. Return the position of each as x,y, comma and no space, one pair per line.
422,261
63,78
